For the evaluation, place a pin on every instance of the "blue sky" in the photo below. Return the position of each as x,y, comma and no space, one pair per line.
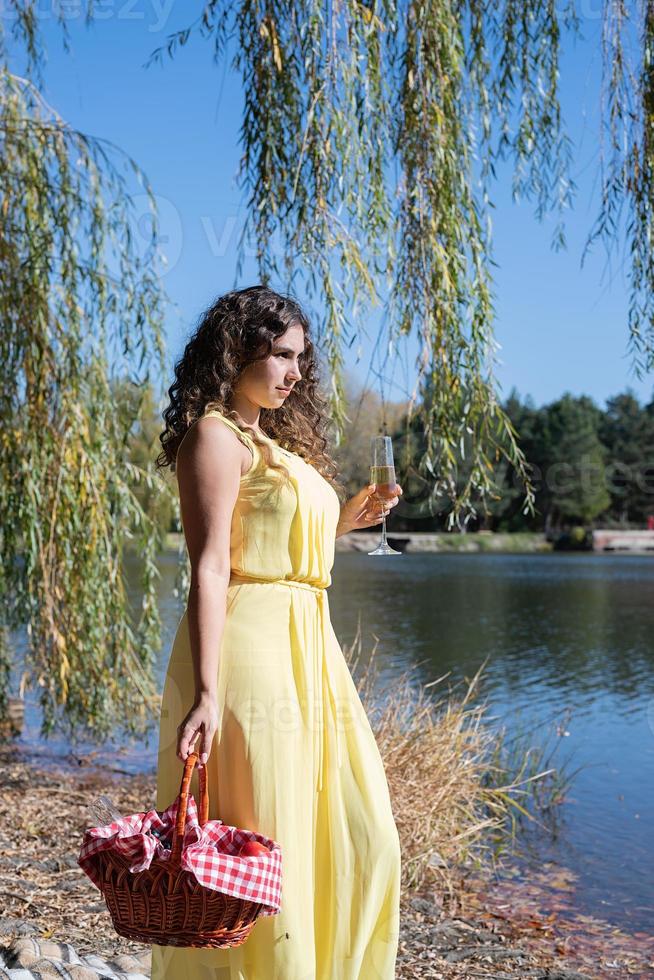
561,328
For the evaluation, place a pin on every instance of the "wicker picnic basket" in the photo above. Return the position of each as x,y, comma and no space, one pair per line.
167,904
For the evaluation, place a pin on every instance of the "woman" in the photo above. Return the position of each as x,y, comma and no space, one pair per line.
255,660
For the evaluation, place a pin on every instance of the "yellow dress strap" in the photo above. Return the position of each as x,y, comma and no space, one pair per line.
243,436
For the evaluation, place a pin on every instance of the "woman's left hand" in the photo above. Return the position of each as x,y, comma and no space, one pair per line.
365,508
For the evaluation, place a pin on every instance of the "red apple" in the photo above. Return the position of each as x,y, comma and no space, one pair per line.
252,848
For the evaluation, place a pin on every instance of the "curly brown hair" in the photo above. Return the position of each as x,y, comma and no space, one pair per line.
237,329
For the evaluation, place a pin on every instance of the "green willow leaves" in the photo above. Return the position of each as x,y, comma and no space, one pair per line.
371,131
79,307
627,163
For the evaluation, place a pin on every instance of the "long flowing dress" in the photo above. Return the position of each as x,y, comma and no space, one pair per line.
295,757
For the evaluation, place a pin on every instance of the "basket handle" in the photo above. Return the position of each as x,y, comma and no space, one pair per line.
178,836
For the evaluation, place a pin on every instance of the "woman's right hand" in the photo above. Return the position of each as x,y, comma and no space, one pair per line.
202,722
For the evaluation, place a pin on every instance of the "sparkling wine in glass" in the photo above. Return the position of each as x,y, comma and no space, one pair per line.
382,472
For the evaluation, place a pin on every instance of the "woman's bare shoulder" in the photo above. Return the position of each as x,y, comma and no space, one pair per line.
209,442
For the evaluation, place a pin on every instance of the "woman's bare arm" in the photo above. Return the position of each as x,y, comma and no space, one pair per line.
210,461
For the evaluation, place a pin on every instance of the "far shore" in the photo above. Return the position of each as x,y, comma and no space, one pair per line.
520,542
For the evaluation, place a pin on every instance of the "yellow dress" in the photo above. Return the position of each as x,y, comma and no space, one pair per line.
295,758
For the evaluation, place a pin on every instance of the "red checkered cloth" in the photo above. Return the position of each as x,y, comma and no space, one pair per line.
210,853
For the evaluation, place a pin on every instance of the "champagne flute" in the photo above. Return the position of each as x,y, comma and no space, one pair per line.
382,472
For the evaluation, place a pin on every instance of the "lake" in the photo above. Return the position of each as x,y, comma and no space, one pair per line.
569,638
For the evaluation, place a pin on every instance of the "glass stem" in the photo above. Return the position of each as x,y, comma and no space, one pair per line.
383,537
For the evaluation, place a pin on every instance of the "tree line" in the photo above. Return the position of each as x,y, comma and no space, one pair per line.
589,466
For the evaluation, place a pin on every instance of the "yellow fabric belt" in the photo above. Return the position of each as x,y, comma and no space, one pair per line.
321,670
239,579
